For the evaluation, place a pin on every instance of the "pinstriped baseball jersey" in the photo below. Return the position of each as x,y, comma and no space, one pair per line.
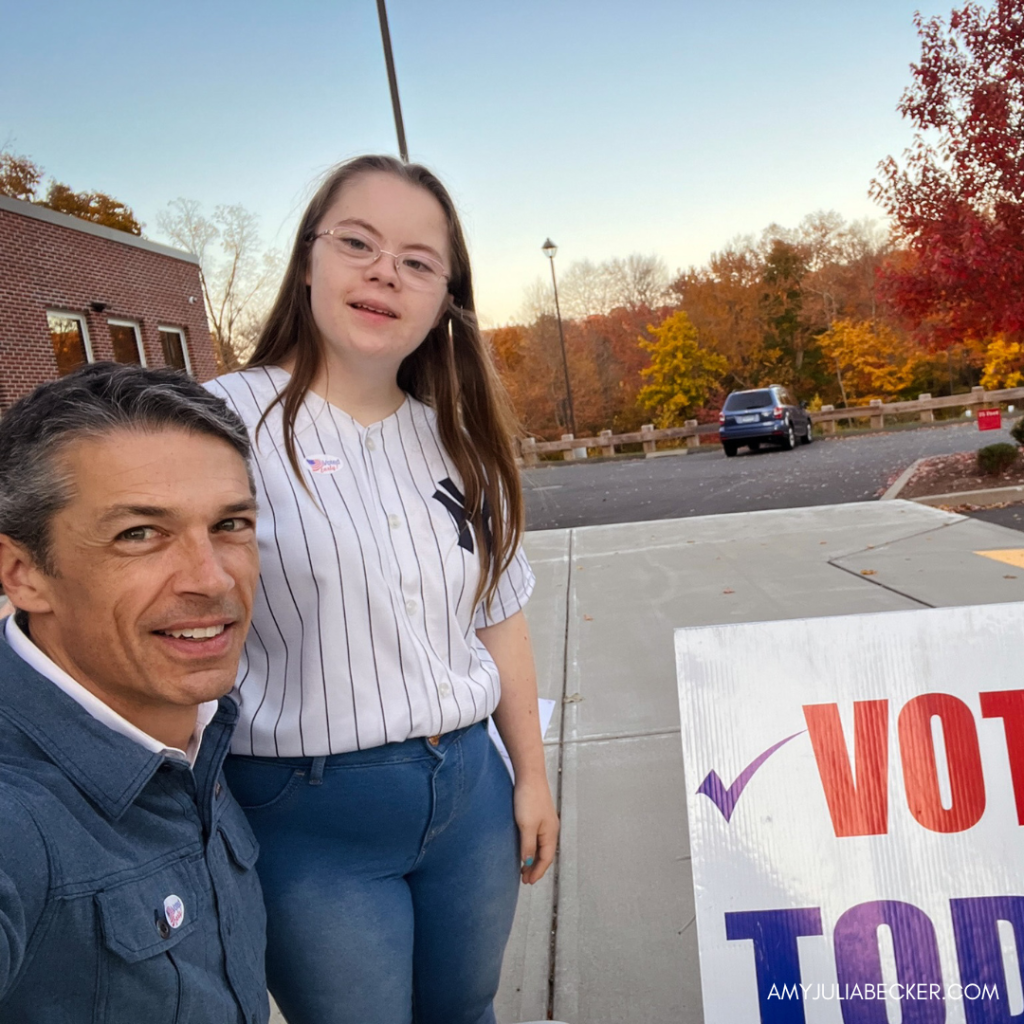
364,626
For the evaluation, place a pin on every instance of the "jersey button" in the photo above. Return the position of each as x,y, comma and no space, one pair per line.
410,606
394,522
445,690
369,444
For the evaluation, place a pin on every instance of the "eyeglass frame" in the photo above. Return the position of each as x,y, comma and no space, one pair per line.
380,252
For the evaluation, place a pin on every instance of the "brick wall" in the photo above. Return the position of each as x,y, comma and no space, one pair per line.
52,262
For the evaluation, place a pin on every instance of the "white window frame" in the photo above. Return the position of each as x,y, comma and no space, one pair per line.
180,332
138,336
82,325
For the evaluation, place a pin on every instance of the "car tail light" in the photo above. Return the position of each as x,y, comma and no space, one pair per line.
721,417
778,412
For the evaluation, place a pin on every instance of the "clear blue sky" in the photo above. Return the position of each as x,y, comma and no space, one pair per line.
666,126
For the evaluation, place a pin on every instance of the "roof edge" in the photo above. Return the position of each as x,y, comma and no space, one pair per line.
63,220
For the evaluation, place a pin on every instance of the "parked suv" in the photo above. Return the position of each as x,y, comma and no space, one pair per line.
762,415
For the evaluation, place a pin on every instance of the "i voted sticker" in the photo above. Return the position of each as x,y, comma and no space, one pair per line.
174,911
323,463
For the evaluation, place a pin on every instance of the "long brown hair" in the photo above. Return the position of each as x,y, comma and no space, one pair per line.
450,371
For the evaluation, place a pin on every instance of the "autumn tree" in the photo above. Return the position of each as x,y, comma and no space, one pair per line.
957,198
529,362
640,281
1004,364
95,206
605,308
842,265
870,360
723,302
529,375
610,346
20,178
238,276
587,289
681,375
782,302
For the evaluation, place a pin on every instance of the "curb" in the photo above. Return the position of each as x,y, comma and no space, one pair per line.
984,498
981,499
902,480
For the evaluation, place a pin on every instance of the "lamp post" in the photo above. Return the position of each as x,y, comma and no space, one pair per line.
549,249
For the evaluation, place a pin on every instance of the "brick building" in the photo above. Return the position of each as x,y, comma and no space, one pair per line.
72,292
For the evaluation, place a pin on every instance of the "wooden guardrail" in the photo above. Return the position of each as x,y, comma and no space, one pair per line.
827,417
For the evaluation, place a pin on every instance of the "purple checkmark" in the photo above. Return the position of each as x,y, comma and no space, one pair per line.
725,798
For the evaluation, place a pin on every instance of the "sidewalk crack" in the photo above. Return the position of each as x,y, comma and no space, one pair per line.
557,865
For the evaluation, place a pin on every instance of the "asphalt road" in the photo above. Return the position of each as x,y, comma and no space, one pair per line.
704,482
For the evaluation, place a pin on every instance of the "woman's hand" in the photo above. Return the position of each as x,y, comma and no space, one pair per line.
538,827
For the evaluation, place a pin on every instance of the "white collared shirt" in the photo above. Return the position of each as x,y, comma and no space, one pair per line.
364,625
27,651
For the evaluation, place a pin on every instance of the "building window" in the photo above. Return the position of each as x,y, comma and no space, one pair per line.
172,340
126,341
70,341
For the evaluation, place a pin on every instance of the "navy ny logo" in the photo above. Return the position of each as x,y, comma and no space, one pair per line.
455,501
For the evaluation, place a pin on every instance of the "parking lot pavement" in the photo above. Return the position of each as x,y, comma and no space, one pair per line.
704,482
1012,516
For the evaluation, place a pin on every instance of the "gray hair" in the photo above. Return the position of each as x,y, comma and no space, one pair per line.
89,403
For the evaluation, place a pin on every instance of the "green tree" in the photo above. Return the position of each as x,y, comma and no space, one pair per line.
682,374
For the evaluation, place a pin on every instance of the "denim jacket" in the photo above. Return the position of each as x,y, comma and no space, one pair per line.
128,893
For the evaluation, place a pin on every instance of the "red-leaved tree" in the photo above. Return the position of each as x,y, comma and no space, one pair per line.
957,199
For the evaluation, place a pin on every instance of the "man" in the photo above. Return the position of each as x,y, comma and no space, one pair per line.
127,548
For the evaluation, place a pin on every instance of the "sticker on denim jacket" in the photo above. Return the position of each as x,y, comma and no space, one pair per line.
174,911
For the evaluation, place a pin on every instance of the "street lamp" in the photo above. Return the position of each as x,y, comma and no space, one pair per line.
549,249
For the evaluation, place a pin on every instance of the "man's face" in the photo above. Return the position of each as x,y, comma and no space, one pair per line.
155,564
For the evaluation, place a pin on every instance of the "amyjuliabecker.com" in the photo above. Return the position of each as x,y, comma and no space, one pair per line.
921,992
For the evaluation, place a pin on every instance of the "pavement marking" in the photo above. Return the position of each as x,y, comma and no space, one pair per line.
1011,556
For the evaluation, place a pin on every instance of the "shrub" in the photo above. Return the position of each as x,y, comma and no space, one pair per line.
995,459
1017,431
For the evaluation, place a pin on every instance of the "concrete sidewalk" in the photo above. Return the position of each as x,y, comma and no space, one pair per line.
613,928
608,937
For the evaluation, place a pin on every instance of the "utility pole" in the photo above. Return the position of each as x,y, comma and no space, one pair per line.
396,105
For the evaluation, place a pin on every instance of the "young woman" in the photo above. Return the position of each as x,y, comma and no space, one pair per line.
389,621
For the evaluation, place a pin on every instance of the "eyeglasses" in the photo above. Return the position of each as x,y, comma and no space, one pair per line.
416,269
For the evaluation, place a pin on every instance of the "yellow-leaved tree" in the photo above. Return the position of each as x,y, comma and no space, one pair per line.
870,359
1004,364
682,374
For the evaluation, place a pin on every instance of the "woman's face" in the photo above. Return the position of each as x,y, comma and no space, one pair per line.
369,316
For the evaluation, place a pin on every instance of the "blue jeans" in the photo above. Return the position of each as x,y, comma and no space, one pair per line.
390,878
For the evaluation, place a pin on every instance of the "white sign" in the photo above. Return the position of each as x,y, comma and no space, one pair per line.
855,789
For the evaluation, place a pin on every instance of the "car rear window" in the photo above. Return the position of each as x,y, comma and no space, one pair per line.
740,400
